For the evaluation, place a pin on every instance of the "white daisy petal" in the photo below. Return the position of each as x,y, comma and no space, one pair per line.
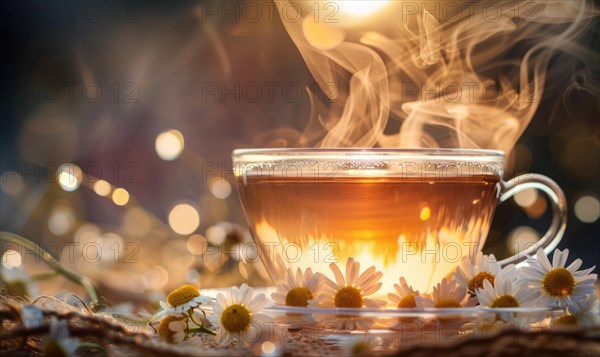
339,278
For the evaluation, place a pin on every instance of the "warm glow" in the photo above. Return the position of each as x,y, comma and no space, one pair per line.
61,220
522,238
432,260
216,234
220,188
69,177
11,259
360,8
526,198
169,144
268,347
425,214
102,188
197,244
184,219
120,197
320,35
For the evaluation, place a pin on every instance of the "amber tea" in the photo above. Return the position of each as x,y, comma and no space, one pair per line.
408,213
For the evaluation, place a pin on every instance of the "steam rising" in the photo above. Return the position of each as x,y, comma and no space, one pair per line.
468,79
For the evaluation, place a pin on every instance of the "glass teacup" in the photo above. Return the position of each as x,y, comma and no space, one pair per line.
409,212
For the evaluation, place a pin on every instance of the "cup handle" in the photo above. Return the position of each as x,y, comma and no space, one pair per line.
559,212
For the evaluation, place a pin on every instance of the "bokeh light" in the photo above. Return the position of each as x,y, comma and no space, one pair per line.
587,209
184,218
216,234
169,144
268,347
120,196
220,188
102,188
11,183
69,177
527,197
61,220
197,244
521,238
11,259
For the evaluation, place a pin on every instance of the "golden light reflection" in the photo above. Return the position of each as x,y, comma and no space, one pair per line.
422,264
169,144
120,197
69,177
102,188
320,35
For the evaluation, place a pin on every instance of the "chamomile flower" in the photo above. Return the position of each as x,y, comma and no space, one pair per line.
584,313
506,293
173,329
298,289
182,300
471,274
557,283
447,294
405,297
238,315
351,290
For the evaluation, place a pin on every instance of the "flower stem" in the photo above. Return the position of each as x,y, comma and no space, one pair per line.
53,263
201,324
202,329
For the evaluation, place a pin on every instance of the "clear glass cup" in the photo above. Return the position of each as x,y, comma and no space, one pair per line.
409,212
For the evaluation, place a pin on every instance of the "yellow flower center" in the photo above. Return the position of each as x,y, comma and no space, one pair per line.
505,301
348,296
447,303
566,320
558,282
182,295
407,302
298,297
236,318
53,348
163,327
476,282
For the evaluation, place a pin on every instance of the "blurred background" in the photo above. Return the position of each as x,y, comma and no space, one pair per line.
119,118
